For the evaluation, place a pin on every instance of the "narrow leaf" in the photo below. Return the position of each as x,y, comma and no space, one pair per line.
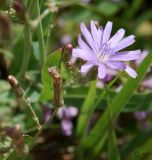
117,105
86,109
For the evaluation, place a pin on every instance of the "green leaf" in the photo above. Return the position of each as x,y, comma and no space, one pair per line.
86,109
54,59
138,102
117,105
113,152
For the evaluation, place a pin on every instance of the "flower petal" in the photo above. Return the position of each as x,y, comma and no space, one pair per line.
67,126
107,32
95,33
60,112
131,72
71,112
86,34
84,54
86,67
117,37
143,54
116,65
83,45
101,71
126,56
125,43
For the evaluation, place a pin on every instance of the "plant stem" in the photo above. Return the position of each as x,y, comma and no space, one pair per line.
39,31
27,50
32,142
27,41
113,153
48,39
28,103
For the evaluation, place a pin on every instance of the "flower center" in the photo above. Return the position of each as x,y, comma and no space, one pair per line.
104,53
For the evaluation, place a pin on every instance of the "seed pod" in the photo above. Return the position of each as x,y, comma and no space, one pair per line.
67,52
15,86
57,87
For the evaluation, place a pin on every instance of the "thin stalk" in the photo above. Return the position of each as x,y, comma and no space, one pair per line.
32,142
41,17
35,118
113,153
104,92
27,41
40,35
27,51
48,39
20,94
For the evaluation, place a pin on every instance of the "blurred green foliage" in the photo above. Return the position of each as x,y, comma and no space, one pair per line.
33,44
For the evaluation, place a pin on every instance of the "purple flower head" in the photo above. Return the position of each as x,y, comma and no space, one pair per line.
98,49
65,114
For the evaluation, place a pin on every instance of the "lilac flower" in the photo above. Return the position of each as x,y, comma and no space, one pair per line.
65,114
85,1
100,50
